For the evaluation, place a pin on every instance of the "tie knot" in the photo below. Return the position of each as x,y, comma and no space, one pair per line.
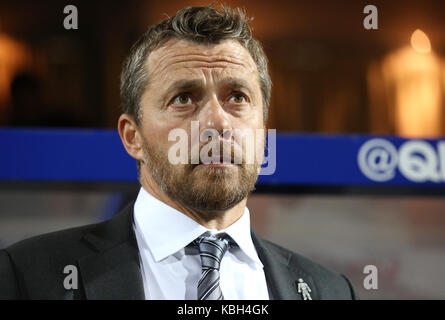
212,251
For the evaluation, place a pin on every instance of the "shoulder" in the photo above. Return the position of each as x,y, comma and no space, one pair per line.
50,252
330,284
72,243
34,268
303,263
58,243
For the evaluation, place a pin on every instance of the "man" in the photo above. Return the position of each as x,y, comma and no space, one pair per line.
187,235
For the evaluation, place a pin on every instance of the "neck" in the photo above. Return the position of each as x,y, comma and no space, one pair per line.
217,219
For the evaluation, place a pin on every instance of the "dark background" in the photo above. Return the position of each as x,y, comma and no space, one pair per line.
320,55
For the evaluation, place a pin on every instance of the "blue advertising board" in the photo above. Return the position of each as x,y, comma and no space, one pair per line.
97,155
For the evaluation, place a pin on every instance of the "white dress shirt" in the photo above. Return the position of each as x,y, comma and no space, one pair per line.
171,271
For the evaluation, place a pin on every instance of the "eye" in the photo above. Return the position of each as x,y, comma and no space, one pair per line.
182,99
238,98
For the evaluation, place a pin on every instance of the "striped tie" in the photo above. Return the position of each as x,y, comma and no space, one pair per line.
212,251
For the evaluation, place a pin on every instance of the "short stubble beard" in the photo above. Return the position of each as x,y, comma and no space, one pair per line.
209,191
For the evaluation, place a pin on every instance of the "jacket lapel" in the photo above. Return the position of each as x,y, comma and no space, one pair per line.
281,271
113,271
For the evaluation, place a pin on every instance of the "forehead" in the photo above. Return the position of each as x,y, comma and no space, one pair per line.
184,57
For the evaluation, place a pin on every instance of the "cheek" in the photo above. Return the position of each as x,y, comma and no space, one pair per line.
156,133
258,121
253,121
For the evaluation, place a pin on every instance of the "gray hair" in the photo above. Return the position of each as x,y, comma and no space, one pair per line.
202,25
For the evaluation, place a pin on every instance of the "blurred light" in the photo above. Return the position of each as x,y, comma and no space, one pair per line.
413,82
14,56
420,42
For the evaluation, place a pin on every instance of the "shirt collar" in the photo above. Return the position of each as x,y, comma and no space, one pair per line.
166,230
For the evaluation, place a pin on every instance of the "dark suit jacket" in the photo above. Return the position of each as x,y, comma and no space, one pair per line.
107,259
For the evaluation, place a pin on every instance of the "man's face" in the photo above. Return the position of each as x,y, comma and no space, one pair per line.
217,86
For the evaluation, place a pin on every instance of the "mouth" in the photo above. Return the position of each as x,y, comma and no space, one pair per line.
223,162
217,165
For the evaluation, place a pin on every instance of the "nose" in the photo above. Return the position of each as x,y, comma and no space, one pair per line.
213,116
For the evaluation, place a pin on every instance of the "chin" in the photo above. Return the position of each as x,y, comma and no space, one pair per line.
215,196
213,206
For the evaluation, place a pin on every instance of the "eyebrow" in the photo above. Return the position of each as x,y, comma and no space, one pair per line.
189,85
184,85
237,83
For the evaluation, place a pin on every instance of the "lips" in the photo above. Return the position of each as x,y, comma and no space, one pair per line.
221,162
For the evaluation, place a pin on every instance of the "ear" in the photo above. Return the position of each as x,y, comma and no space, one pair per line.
130,136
